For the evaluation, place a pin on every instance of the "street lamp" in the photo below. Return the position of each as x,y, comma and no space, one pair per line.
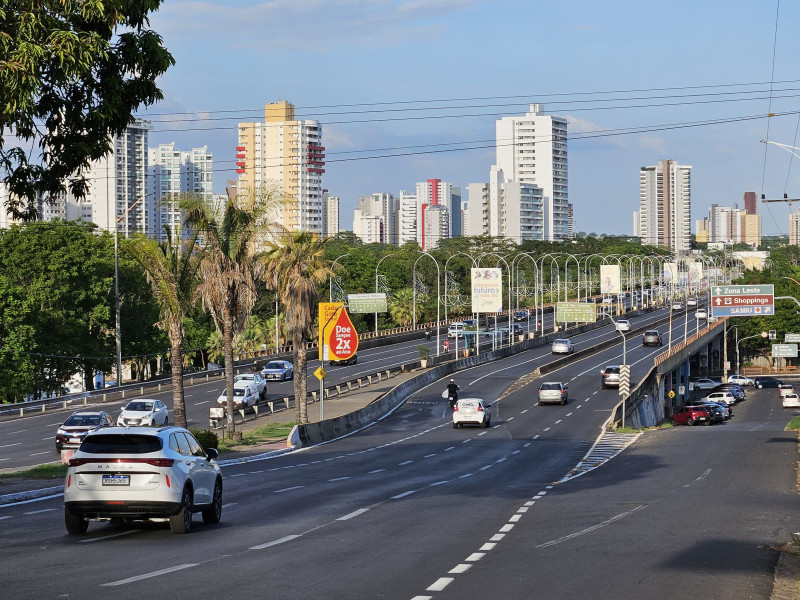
438,295
763,334
376,284
330,277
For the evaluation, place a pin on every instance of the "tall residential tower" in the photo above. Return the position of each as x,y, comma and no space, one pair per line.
665,205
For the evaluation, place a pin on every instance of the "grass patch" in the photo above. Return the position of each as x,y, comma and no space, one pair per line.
39,472
794,424
625,429
268,433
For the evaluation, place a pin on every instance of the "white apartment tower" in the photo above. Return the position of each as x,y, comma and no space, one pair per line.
665,205
375,219
284,156
533,149
173,172
794,229
330,214
117,190
504,208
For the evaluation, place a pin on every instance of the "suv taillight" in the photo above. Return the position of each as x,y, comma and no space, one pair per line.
156,462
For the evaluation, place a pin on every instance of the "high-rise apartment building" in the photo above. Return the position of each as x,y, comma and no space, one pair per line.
285,156
750,203
665,205
330,214
503,208
731,226
794,229
173,172
376,218
532,149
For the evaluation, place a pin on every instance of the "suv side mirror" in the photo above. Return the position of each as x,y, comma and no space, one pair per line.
212,453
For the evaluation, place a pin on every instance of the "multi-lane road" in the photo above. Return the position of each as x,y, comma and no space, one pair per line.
412,508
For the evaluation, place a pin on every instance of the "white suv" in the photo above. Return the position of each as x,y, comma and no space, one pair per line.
244,395
142,473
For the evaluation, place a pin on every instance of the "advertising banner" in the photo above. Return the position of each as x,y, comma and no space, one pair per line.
670,273
487,290
326,311
609,280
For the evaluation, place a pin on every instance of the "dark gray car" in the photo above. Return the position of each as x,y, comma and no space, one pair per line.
651,337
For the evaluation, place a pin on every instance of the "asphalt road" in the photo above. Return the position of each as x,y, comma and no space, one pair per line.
411,508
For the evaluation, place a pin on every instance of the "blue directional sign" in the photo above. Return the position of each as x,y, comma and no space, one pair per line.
742,300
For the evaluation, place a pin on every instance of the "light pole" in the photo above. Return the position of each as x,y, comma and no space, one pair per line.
438,295
376,285
763,334
330,277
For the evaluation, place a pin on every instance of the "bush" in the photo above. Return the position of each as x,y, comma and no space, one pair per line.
206,437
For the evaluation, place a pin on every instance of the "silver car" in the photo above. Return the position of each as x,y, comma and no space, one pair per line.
563,346
142,473
551,392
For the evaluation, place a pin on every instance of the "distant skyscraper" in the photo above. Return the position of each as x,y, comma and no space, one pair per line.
503,208
330,214
533,149
285,156
172,173
750,203
794,229
732,226
665,205
382,206
408,217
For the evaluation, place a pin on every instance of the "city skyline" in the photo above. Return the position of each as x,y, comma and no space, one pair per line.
372,73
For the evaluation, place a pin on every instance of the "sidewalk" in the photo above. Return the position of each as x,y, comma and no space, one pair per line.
16,489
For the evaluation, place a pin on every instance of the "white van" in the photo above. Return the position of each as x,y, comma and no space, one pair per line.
455,330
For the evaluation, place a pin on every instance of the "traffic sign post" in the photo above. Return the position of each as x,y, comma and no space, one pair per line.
575,312
742,300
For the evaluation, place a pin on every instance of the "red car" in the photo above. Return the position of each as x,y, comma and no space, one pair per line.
689,415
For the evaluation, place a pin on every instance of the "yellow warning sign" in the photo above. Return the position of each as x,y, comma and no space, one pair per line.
320,373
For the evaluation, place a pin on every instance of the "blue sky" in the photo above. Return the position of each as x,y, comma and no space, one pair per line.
424,76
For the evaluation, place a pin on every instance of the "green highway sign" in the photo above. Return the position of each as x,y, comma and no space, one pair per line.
784,350
792,337
575,312
366,303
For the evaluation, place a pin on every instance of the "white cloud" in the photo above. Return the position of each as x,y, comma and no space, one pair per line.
304,24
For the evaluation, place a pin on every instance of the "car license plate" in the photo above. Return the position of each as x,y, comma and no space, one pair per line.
116,479
74,440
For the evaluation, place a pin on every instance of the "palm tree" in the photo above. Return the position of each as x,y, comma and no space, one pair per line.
232,265
296,266
401,307
171,268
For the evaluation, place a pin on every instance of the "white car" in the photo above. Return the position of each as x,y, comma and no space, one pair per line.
244,396
144,412
705,384
257,381
142,473
472,411
677,306
691,302
701,314
785,389
623,325
726,397
740,380
791,401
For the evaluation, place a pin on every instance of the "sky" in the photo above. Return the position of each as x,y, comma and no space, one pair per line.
409,90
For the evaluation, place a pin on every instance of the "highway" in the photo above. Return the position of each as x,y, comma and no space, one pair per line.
412,508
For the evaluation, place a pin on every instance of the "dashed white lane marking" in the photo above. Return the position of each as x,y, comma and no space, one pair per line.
524,411
486,547
149,575
557,422
17,443
256,472
705,474
376,471
229,504
497,537
353,514
440,483
236,475
36,512
545,429
449,448
39,453
338,479
514,518
568,415
404,494
429,455
19,431
289,489
484,433
466,441
481,469
593,527
6,517
201,403
510,418
107,537
465,475
506,528
458,569
282,540
440,584
475,556
579,405
404,463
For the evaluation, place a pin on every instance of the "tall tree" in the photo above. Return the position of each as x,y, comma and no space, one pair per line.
296,267
71,75
231,265
171,268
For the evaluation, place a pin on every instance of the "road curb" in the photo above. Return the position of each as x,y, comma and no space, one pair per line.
31,495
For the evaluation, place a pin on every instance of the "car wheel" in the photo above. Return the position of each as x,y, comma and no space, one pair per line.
182,522
75,523
564,402
355,360
760,386
540,403
486,424
455,425
213,513
690,422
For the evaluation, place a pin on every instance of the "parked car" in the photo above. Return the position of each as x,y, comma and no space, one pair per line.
719,411
689,415
77,426
142,473
553,392
257,382
767,382
347,361
705,384
651,337
701,314
143,412
737,390
610,376
278,370
623,325
740,379
785,388
791,401
244,396
724,396
521,315
562,346
471,411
